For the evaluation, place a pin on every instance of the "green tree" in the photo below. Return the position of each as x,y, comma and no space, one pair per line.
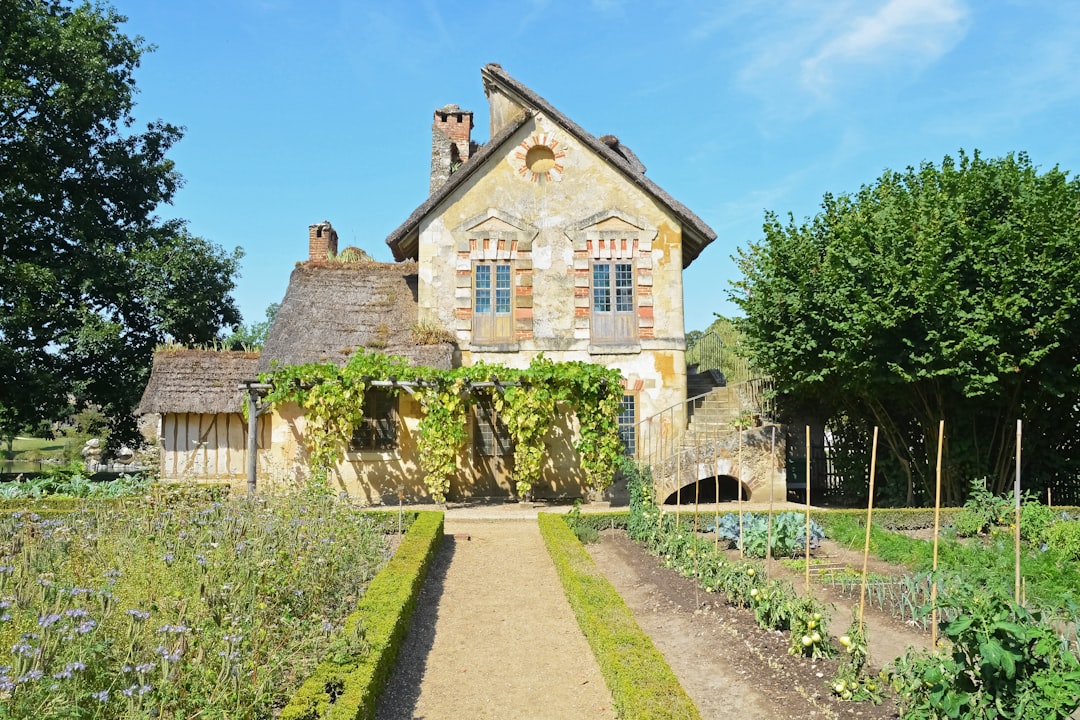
253,336
90,279
941,293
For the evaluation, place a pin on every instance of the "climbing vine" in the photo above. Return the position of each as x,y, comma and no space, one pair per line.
528,401
442,431
597,400
529,412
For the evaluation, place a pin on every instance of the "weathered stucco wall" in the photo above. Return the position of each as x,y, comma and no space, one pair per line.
550,225
374,477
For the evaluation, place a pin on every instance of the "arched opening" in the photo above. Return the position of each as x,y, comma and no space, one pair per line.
706,491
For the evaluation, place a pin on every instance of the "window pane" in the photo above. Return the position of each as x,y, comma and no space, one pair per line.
491,436
502,288
379,427
483,289
624,287
601,287
627,424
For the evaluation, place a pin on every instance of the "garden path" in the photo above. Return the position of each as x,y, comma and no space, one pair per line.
493,635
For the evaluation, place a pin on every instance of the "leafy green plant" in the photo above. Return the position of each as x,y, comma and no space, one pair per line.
1035,521
850,682
788,533
1005,662
585,533
809,635
1064,536
349,681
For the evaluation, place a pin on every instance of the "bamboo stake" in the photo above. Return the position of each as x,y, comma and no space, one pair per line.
697,498
869,522
716,477
1016,493
937,527
740,495
677,446
658,480
772,484
807,509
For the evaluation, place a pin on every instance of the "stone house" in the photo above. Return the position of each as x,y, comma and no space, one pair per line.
546,239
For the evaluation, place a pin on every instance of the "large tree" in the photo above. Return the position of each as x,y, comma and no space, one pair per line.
945,292
90,279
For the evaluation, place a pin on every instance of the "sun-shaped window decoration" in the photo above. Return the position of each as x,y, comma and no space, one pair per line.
539,158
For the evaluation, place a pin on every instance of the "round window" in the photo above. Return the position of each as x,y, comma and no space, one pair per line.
540,159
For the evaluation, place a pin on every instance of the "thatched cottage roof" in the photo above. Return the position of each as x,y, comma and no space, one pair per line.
404,241
331,309
202,381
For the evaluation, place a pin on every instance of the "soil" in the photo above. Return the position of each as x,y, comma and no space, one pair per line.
728,665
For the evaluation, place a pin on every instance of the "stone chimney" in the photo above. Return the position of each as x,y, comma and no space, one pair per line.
322,241
451,143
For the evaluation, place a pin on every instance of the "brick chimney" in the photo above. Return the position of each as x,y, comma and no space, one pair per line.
451,143
322,241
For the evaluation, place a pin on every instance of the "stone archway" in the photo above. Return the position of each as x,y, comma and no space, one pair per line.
759,465
704,491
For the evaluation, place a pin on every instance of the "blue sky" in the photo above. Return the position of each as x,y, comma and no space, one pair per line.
298,111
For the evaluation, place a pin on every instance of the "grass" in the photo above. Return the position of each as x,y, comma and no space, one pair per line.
30,449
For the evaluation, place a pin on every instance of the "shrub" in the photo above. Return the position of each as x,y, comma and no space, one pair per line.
585,533
1035,521
642,684
1064,536
348,683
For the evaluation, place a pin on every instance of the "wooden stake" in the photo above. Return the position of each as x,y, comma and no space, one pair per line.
869,522
697,498
807,509
772,484
937,527
1016,493
716,477
741,554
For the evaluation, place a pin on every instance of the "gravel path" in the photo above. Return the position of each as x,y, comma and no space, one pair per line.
493,635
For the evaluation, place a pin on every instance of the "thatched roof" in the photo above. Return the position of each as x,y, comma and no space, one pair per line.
201,381
697,235
331,309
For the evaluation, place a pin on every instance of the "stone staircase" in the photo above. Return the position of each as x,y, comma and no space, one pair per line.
712,414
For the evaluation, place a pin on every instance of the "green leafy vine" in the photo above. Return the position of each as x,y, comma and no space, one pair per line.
528,400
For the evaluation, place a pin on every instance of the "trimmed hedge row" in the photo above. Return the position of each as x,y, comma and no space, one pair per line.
351,689
608,520
642,684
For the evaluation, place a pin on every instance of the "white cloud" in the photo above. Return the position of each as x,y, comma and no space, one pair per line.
907,32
